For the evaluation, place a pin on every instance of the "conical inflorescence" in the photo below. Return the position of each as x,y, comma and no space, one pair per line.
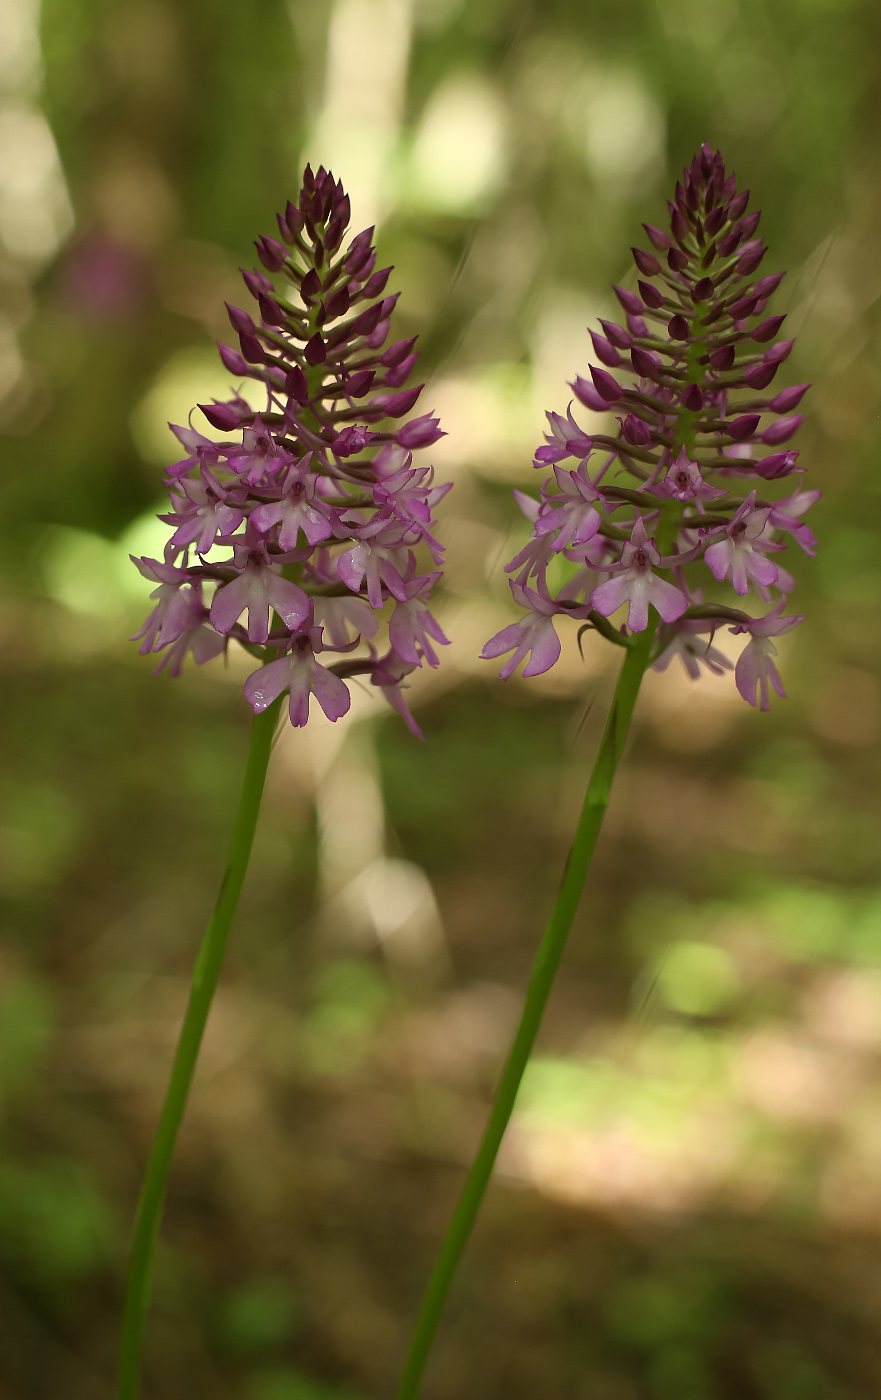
296,535
688,483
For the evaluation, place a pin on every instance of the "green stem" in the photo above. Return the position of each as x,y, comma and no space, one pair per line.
543,973
204,984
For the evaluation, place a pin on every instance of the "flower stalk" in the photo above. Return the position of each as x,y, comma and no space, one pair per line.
544,971
204,984
685,437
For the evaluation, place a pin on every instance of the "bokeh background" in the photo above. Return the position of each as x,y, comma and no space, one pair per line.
688,1205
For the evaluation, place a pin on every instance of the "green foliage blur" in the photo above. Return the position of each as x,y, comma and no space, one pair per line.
688,1205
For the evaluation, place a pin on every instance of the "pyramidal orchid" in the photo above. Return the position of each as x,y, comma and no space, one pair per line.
683,498
688,484
304,526
302,535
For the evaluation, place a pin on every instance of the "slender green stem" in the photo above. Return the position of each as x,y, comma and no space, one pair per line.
204,983
544,970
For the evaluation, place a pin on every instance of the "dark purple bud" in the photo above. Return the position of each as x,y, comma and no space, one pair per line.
678,226
309,179
293,217
252,349
295,384
256,282
777,465
766,330
782,430
232,360
693,399
723,358
743,427
337,305
376,284
744,307
747,265
351,440
703,289
646,264
240,320
367,321
361,240
753,246
779,352
315,350
715,219
398,352
767,285
333,234
738,205
650,295
587,394
657,237
788,398
605,351
608,388
636,326
310,285
645,362
678,328
380,335
729,242
360,383
635,431
359,261
692,197
284,228
396,376
629,300
421,432
760,376
271,312
220,415
676,260
271,253
396,405
750,223
617,335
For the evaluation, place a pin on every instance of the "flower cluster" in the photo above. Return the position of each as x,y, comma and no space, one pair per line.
316,508
683,376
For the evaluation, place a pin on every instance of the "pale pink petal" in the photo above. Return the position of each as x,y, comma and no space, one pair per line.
229,603
267,684
301,689
669,600
607,597
502,641
718,559
640,594
288,599
331,692
545,647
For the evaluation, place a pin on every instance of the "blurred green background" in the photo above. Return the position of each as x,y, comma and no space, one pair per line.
689,1201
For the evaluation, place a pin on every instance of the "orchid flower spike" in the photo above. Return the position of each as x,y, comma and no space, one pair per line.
291,538
683,374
